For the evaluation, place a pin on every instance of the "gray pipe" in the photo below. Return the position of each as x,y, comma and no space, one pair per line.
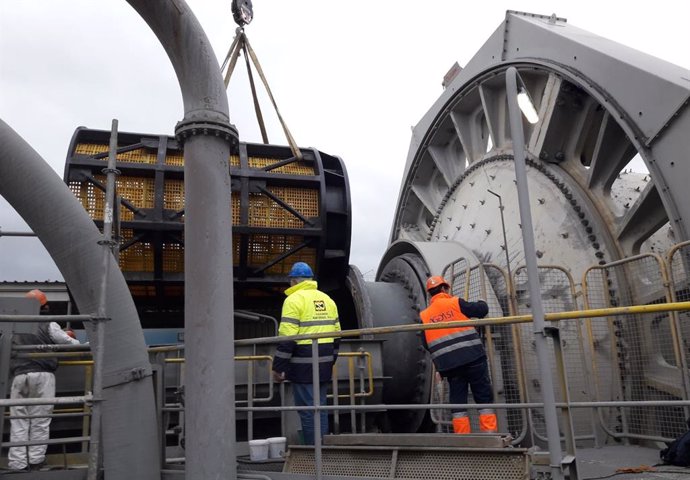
209,333
538,323
36,192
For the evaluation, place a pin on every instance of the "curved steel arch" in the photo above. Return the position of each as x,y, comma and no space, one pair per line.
52,211
130,436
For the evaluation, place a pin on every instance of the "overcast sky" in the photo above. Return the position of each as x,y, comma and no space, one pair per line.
350,79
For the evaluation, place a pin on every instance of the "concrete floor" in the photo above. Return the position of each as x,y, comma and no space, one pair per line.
600,463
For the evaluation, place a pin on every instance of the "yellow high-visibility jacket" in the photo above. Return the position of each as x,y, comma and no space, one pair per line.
306,310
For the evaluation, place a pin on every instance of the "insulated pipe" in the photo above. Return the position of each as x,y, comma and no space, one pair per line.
209,334
36,192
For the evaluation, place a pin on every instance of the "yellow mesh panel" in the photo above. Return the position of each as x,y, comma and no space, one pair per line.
138,191
236,208
264,212
90,197
173,258
175,158
294,168
173,195
235,249
140,155
138,257
265,248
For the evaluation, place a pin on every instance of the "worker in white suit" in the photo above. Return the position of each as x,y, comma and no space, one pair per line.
34,378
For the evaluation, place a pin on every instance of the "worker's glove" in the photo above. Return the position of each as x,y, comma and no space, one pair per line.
70,333
278,377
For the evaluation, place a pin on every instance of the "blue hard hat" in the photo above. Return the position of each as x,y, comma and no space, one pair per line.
301,269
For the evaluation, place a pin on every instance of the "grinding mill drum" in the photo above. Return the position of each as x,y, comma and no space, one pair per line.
284,210
601,109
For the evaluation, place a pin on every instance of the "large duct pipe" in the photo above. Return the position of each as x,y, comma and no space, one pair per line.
130,437
209,333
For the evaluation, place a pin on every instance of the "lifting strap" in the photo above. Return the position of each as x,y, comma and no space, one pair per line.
241,43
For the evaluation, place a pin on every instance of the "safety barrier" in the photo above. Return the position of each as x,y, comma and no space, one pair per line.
678,268
622,356
633,357
558,295
11,324
359,381
636,357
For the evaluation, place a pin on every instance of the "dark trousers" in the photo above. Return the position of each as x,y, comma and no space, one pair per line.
474,376
304,396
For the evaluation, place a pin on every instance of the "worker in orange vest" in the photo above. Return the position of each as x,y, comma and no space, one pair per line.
458,353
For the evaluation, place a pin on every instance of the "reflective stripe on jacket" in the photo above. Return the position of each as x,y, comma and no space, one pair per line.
452,347
306,310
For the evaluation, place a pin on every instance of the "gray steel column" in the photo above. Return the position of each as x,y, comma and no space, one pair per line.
108,248
209,334
540,336
36,192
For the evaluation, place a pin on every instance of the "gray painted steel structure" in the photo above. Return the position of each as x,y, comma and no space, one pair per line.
540,340
570,73
600,105
579,82
58,219
50,209
209,332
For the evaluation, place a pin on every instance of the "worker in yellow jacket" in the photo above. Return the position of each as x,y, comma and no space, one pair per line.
306,310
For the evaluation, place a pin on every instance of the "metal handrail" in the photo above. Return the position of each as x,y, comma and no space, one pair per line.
88,400
570,315
415,327
370,371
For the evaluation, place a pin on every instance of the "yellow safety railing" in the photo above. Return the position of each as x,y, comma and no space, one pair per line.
351,357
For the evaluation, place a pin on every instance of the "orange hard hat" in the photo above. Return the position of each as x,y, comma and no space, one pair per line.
436,281
38,295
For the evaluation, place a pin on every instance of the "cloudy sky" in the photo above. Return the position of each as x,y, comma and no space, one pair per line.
350,79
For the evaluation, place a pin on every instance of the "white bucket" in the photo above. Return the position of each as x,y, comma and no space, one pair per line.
276,447
258,450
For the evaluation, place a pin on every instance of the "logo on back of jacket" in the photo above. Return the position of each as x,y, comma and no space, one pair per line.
442,317
319,306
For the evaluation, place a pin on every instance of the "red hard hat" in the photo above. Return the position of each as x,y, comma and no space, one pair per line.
436,281
38,295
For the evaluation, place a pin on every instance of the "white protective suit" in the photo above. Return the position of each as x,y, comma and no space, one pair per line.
33,385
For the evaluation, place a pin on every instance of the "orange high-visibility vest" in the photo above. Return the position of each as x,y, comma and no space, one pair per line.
450,347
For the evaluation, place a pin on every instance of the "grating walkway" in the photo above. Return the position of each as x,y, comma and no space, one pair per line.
453,457
432,457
